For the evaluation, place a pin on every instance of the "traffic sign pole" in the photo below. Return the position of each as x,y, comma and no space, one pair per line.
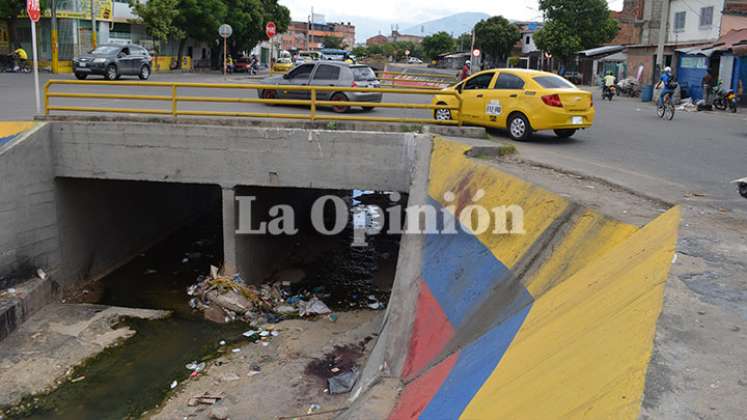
34,12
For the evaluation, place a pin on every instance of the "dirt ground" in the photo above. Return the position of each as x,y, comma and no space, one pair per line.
285,377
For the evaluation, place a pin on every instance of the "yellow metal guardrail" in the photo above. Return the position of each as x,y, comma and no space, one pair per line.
173,98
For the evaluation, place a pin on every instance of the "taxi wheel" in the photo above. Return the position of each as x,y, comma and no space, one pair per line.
81,76
518,127
442,114
269,94
565,133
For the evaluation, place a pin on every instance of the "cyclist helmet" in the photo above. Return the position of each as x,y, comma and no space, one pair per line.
667,69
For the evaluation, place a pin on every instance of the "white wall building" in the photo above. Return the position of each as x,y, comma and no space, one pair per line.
692,21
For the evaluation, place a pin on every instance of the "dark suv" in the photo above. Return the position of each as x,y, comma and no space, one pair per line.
326,73
113,61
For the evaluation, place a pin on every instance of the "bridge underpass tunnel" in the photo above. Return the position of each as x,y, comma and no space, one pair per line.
335,242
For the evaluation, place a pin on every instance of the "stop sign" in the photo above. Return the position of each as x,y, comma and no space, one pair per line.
270,29
33,10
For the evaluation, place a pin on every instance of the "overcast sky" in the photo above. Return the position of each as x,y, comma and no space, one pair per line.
415,11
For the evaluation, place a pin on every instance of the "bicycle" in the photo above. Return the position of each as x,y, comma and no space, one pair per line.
665,110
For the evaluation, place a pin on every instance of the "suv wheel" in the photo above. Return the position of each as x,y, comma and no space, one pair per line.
111,72
340,97
144,72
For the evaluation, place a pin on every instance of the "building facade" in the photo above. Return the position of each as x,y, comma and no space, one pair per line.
310,36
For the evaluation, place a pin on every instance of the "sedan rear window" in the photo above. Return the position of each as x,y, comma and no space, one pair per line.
554,82
363,74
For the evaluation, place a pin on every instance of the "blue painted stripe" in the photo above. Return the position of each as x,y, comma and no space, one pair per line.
460,271
6,139
475,365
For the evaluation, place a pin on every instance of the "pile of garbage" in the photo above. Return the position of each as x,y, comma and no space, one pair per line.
224,299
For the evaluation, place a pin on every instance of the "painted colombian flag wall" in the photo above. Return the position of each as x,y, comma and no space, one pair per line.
10,129
556,322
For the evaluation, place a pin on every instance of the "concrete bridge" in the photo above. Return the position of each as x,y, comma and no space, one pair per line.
559,321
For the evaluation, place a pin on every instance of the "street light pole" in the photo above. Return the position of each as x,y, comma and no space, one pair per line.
93,23
663,29
54,39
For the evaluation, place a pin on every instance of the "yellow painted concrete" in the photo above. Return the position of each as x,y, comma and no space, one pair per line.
10,128
585,345
452,171
591,236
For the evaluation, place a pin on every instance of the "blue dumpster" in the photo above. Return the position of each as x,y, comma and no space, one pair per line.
647,93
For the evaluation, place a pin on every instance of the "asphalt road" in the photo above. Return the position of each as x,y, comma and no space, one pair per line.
693,157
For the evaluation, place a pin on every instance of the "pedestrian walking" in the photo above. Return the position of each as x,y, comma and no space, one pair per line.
465,70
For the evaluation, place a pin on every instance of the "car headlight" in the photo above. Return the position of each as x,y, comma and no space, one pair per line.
99,60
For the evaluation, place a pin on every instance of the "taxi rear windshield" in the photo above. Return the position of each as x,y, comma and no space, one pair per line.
553,82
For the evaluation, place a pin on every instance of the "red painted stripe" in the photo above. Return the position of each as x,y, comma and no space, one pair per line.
430,333
418,393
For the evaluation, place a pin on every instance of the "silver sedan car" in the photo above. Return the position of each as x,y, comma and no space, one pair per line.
326,73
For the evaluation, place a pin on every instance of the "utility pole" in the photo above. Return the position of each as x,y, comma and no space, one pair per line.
93,23
54,39
663,29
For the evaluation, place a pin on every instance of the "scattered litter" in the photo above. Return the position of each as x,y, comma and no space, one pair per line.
314,307
335,370
41,274
274,333
343,383
12,291
78,379
249,333
222,342
205,399
185,260
174,384
313,408
195,367
236,350
332,317
376,306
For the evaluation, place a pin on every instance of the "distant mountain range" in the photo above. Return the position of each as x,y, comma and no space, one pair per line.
455,24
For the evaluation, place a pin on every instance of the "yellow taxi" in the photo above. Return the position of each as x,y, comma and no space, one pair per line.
521,101
282,65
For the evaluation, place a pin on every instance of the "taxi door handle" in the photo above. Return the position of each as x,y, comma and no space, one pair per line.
480,95
514,96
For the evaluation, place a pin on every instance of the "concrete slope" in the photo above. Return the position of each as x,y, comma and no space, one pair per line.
554,319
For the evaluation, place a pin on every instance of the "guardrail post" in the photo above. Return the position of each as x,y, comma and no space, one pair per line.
46,97
313,104
173,99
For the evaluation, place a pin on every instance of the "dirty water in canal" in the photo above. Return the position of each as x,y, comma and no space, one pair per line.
128,380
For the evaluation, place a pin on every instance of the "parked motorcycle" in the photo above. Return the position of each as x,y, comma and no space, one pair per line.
724,99
741,186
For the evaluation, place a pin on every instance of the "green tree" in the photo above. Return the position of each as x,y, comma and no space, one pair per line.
333,42
9,12
496,37
464,42
248,19
574,25
159,18
360,51
438,43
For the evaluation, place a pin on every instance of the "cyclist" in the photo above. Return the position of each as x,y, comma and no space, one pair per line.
20,56
667,85
609,81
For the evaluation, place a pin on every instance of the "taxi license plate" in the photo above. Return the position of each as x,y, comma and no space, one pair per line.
577,120
82,64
